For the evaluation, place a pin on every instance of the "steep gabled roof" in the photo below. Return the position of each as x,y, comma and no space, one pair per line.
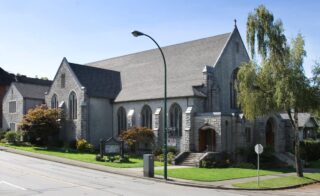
32,91
98,82
36,81
303,119
142,74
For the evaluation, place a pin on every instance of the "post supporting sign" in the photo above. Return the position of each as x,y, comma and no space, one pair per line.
258,149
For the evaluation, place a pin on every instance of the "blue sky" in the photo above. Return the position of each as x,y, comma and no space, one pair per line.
36,34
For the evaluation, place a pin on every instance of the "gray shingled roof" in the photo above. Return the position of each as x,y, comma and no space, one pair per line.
142,73
32,91
98,82
37,81
303,118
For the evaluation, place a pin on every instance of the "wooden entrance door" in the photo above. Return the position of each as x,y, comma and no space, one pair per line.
207,140
269,134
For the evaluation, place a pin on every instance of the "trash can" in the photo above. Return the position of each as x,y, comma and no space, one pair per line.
148,165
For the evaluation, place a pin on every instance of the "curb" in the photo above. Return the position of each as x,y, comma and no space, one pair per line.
127,173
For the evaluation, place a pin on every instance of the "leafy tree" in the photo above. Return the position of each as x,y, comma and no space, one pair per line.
40,123
44,78
275,83
136,135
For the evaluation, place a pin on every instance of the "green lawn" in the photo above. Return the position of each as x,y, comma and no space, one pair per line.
281,182
85,157
216,174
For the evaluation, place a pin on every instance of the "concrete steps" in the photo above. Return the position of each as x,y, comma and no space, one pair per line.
193,159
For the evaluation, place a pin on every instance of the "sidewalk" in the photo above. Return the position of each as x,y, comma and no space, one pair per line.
138,172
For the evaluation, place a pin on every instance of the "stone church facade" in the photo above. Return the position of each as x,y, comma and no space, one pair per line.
104,98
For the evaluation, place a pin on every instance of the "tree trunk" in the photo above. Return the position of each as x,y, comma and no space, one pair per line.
295,125
297,146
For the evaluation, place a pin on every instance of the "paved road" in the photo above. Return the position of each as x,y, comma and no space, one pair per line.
21,175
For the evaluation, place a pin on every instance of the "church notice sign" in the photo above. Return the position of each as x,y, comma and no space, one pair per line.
112,146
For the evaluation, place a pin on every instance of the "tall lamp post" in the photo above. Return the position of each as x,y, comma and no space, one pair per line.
165,149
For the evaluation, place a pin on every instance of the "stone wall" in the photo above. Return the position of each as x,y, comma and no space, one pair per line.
230,59
31,103
157,119
16,117
211,119
100,120
72,128
3,90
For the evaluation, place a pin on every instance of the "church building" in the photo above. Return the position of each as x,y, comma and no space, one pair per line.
103,98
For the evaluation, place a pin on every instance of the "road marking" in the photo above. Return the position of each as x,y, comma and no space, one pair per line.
12,185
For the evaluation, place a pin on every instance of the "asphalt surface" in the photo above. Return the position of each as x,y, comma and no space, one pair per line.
21,175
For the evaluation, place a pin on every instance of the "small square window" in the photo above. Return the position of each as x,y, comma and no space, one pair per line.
12,107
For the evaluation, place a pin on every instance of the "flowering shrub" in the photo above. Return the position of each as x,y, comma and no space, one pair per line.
83,146
40,123
136,135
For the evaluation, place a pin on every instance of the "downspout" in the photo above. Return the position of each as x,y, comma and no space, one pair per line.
112,119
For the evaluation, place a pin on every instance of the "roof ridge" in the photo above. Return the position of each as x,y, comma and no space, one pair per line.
27,83
90,67
163,47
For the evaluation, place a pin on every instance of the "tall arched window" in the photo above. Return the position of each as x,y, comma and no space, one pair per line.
122,120
146,117
233,89
176,118
54,101
73,105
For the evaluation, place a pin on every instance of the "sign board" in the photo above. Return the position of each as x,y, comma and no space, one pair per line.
258,148
112,146
112,149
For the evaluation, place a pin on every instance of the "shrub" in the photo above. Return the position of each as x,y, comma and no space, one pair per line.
221,160
72,144
157,151
110,158
83,146
119,159
310,150
170,157
136,135
99,158
11,136
159,158
214,163
244,165
2,133
40,123
172,149
251,157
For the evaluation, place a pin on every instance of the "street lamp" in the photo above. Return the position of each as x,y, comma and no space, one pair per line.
165,149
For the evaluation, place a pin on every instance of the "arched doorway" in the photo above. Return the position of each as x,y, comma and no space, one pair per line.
207,139
270,132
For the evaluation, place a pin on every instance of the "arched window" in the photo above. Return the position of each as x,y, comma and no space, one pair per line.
146,117
73,105
54,101
176,118
122,120
233,89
